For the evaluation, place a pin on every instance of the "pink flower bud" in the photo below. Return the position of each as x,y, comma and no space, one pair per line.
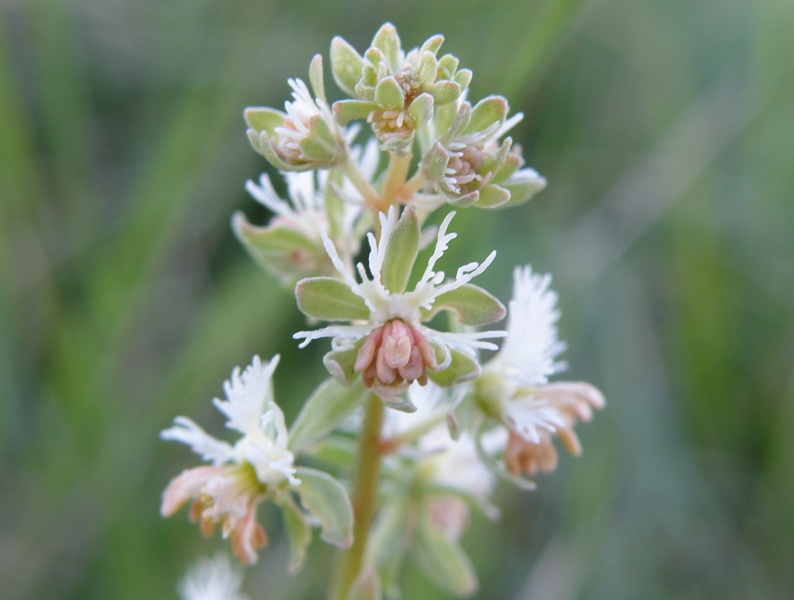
395,354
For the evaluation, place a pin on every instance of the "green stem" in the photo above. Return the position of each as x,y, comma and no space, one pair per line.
371,198
364,499
415,183
394,180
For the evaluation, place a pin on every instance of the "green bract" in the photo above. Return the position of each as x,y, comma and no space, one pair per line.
394,91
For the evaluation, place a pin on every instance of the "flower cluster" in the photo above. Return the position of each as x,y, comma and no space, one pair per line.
258,467
353,237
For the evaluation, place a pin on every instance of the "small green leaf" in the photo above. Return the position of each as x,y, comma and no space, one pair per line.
462,368
346,65
329,299
401,252
444,561
299,533
487,112
389,94
329,405
326,498
471,304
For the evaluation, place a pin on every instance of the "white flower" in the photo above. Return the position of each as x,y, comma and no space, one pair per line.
399,349
529,352
258,466
385,305
212,579
304,212
514,388
300,112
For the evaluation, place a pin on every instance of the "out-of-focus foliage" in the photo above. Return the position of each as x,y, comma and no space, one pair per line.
666,131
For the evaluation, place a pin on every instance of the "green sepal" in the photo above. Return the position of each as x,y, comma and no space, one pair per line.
366,586
299,533
349,110
522,186
463,201
434,162
432,44
329,405
263,119
364,90
401,252
493,196
444,117
346,65
488,112
340,363
327,499
389,94
444,561
421,110
399,146
265,148
320,145
463,78
329,299
459,123
470,304
387,41
426,68
447,65
445,91
394,401
316,77
511,164
282,251
462,368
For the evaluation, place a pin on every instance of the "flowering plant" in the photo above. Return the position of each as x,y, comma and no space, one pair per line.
413,428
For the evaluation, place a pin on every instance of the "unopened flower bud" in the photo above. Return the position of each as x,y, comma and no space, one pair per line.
395,354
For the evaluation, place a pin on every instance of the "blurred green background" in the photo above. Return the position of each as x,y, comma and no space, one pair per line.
666,130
